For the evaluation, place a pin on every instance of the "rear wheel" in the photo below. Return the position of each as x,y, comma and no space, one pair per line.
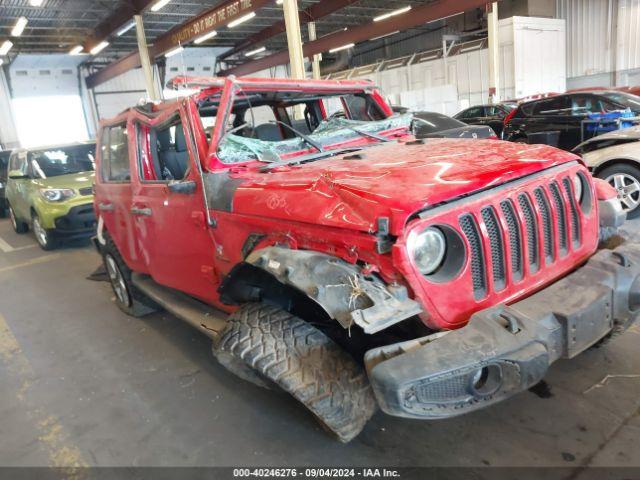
18,225
265,342
128,298
626,180
43,236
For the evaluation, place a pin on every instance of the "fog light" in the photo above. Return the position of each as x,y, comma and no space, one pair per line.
486,380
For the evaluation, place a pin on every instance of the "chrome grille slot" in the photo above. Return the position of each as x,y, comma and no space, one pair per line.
531,231
561,218
575,220
478,272
497,248
547,226
515,239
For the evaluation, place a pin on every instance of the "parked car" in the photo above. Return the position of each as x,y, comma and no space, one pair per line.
437,125
4,162
354,266
615,157
50,189
565,114
490,115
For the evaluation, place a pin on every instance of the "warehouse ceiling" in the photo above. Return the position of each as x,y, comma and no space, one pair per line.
58,25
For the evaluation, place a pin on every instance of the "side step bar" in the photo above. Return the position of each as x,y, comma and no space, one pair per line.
205,318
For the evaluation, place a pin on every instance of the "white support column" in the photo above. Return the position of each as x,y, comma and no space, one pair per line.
494,55
294,41
8,132
315,61
152,90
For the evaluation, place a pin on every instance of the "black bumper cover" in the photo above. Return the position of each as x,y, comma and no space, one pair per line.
507,349
80,222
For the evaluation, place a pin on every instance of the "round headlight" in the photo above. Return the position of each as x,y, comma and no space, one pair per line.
429,248
577,188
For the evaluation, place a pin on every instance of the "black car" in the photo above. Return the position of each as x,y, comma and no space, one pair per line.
437,125
490,115
561,120
4,162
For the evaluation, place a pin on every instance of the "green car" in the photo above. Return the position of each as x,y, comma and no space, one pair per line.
51,190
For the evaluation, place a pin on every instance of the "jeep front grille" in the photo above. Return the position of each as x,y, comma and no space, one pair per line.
533,225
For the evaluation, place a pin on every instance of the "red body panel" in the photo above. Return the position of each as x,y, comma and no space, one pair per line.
332,205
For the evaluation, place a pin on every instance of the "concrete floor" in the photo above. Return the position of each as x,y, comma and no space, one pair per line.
81,383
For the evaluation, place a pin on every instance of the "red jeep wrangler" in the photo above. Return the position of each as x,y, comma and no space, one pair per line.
328,252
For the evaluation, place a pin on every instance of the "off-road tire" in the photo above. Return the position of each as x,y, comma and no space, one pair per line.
626,169
302,361
18,225
135,303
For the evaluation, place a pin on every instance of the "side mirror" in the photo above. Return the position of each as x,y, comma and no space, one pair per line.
17,175
184,187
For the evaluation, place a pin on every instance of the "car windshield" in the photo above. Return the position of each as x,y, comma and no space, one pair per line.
626,99
63,160
510,106
431,122
236,148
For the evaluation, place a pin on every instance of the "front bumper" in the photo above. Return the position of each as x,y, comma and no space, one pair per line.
79,222
507,349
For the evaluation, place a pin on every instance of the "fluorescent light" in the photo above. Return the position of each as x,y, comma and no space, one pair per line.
98,48
255,52
344,47
242,19
76,50
5,47
18,28
385,35
35,3
205,37
126,28
279,2
392,14
159,4
173,52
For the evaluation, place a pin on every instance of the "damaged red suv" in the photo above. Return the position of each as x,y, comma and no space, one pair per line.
330,253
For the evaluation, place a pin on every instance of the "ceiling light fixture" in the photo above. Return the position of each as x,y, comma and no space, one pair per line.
125,28
98,48
159,4
344,47
18,28
5,47
205,37
35,3
255,52
279,2
77,50
242,19
173,52
392,14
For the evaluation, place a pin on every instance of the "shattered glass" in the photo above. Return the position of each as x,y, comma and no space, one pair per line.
237,149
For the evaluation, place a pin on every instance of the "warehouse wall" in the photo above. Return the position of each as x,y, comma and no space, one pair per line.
8,133
603,42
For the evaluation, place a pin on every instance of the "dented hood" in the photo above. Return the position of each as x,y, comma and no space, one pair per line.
392,180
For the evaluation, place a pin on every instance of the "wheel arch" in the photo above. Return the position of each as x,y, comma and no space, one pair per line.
614,161
321,284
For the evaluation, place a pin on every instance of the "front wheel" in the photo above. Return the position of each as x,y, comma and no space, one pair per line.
626,180
271,344
43,236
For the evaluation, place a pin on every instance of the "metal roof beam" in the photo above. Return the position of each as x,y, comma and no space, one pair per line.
419,15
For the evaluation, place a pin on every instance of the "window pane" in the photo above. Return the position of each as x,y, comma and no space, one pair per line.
118,150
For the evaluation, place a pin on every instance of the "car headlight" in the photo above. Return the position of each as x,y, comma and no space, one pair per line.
57,194
577,188
428,249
